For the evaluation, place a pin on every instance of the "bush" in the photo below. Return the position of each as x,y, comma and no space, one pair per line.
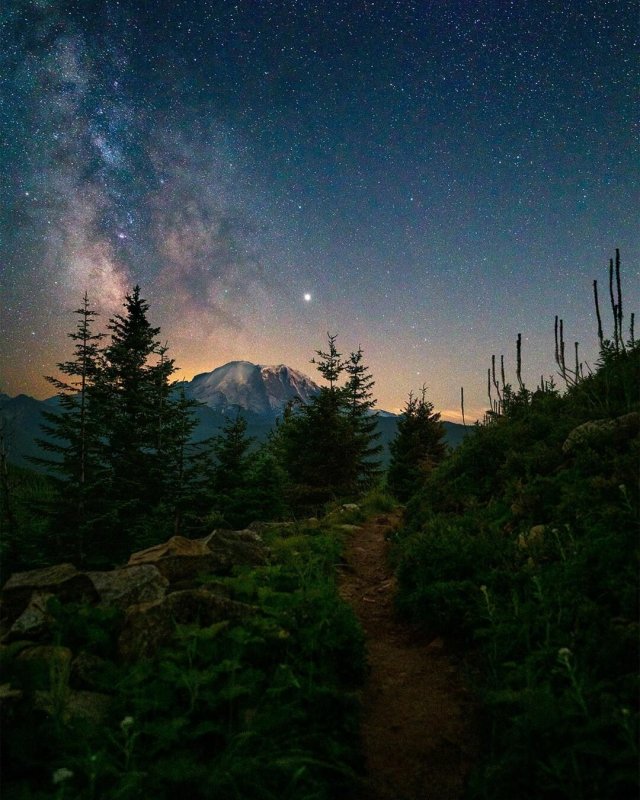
264,707
530,552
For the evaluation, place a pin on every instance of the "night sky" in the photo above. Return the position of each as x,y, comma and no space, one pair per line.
427,179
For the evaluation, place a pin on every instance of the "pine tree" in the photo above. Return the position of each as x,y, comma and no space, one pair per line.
75,442
417,447
330,365
131,389
177,457
231,470
323,444
359,402
147,429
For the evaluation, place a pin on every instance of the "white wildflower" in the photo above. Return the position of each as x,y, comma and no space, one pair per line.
61,775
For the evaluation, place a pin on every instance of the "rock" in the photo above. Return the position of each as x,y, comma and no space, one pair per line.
121,588
350,507
261,527
182,560
62,580
92,707
178,559
231,548
45,664
534,539
34,621
47,653
86,670
599,432
149,626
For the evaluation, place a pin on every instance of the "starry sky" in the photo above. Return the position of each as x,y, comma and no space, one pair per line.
425,179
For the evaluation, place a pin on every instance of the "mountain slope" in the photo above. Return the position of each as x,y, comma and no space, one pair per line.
257,388
258,392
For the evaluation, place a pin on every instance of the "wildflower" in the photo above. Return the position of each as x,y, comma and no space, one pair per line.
126,723
564,654
61,775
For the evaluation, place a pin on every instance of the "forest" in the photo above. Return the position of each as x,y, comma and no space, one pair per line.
172,617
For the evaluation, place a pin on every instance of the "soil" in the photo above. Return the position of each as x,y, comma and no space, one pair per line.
419,731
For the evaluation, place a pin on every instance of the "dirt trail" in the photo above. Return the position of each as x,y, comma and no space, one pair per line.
418,727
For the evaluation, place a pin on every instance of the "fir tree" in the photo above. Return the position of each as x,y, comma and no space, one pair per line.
177,457
323,445
231,448
147,427
417,447
75,442
359,402
330,365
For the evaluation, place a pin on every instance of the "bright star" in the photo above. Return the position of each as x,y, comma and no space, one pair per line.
307,297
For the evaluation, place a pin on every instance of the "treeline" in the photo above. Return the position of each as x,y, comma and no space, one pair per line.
124,473
522,546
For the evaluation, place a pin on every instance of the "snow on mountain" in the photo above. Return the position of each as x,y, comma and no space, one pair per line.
263,390
283,383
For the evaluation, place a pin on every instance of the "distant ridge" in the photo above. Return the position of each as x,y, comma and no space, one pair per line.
257,391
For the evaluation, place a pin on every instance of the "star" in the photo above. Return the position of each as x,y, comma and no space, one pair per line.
307,297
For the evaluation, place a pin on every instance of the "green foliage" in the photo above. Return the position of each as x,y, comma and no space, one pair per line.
74,443
263,707
417,447
327,446
528,551
27,540
117,447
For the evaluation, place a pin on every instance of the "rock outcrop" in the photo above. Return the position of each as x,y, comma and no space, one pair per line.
180,559
149,626
121,588
599,432
159,588
62,580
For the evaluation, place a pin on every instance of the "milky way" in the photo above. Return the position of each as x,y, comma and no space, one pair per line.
437,177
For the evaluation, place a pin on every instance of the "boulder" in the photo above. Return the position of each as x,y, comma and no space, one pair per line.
86,670
121,588
231,548
149,626
178,559
43,661
92,707
62,580
533,540
600,432
350,507
34,621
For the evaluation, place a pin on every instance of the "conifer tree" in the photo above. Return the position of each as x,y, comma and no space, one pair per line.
359,402
330,365
75,442
322,444
417,447
177,457
222,475
147,427
230,449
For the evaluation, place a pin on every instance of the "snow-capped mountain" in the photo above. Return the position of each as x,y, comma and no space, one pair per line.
263,390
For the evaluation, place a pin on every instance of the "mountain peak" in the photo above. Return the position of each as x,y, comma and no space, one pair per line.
259,388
